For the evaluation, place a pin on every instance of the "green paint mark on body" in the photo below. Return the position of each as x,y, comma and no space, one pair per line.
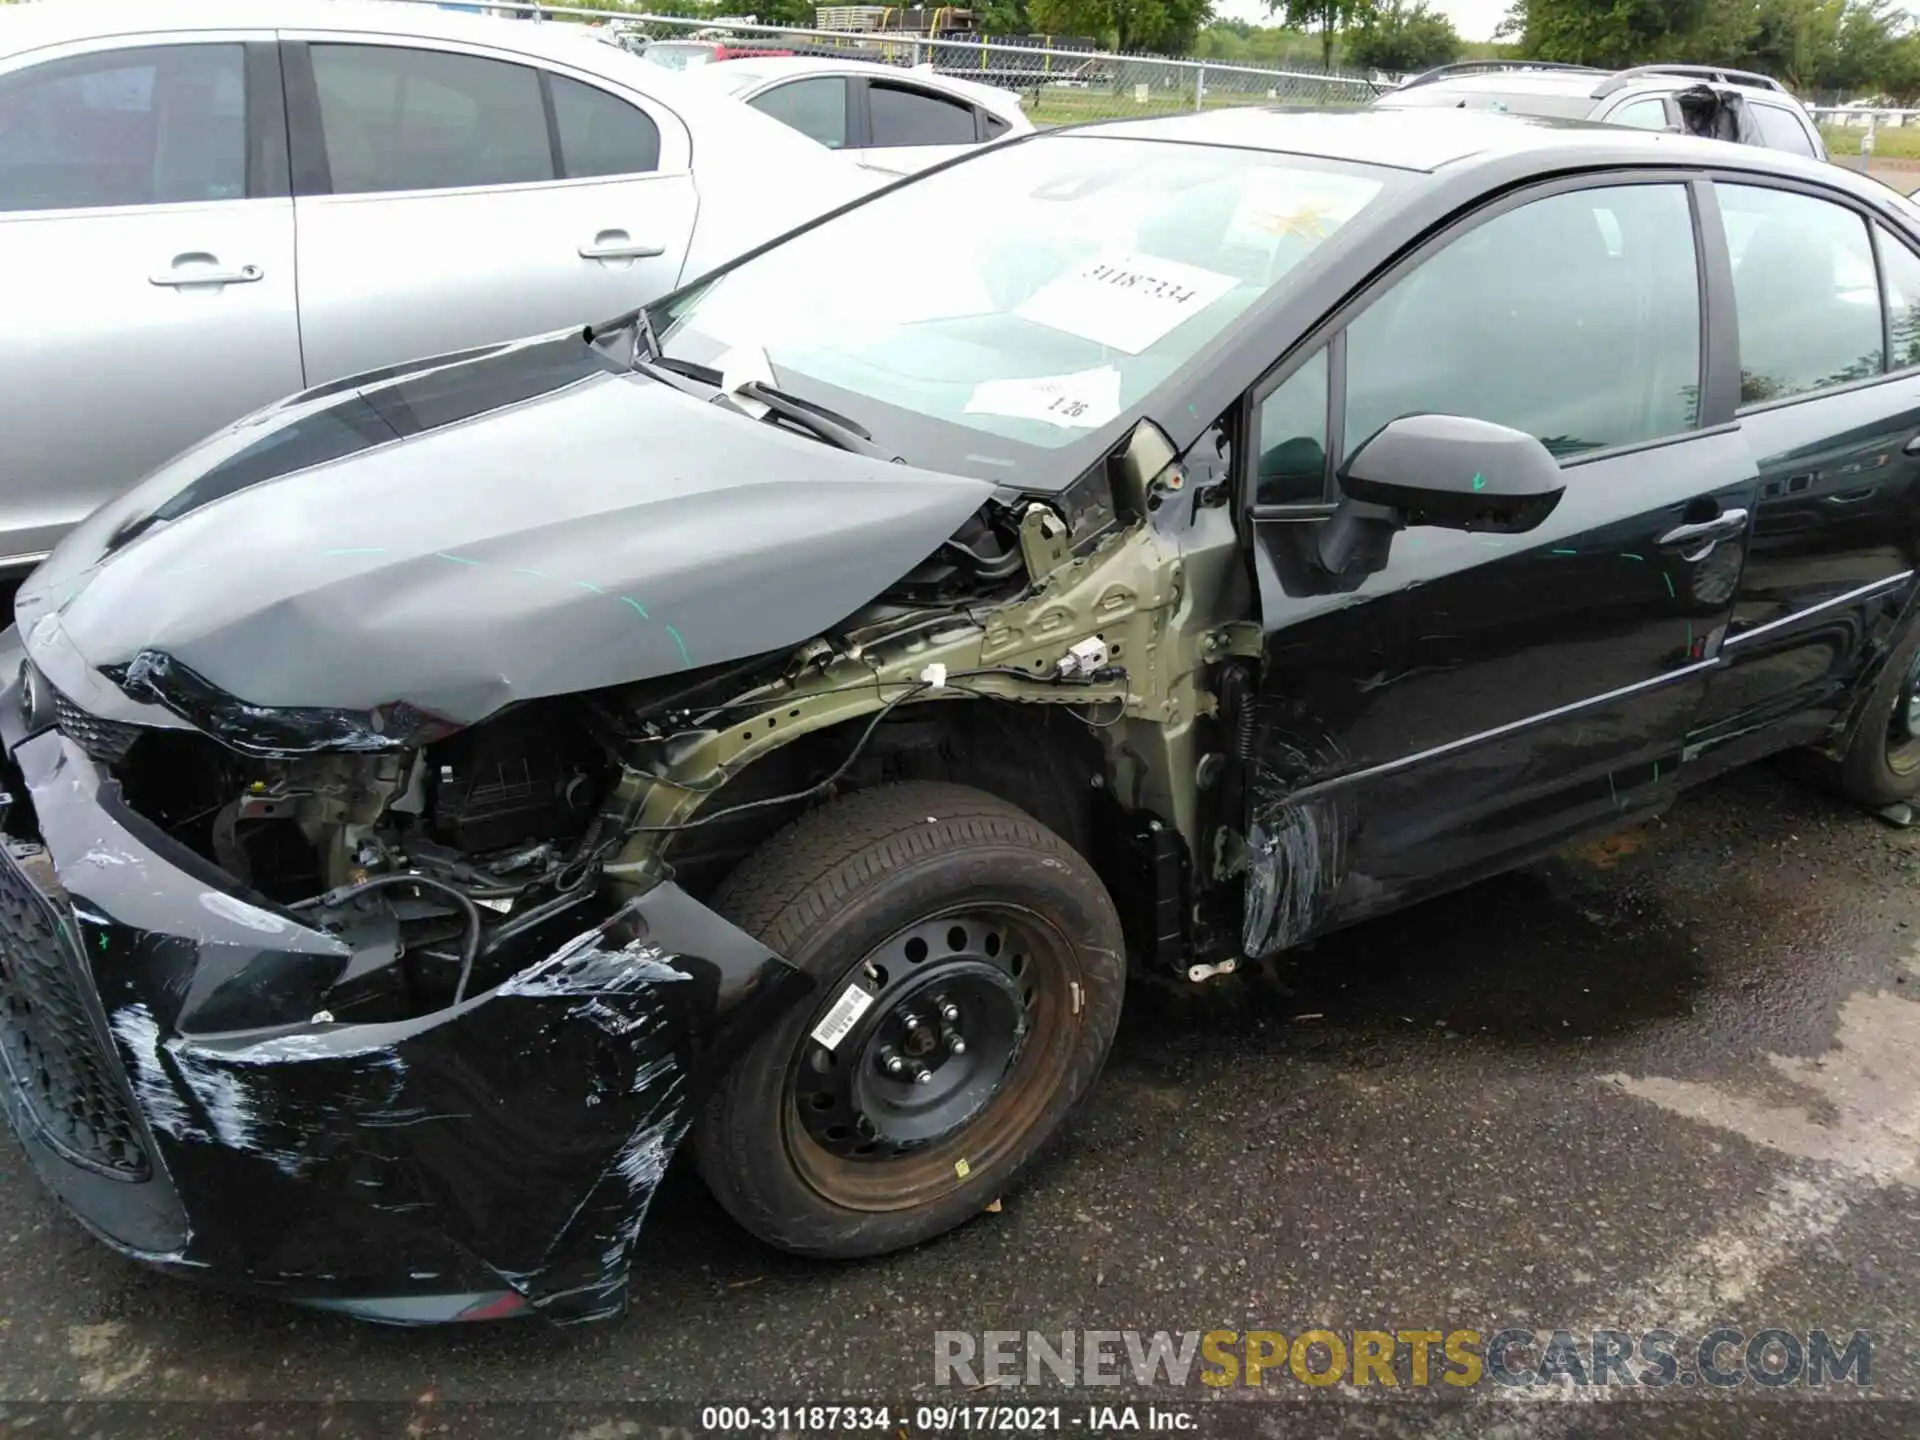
681,644
629,600
1479,481
456,559
1669,579
1563,552
1629,555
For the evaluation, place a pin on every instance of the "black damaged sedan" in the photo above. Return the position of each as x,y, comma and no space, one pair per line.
775,723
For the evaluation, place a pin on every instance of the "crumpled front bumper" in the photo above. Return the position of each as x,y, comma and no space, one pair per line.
482,1160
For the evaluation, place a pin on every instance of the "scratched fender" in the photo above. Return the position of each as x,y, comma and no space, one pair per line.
494,1156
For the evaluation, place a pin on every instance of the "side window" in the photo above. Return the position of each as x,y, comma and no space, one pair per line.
600,135
393,118
1900,268
1575,318
1781,129
996,127
1647,114
905,116
816,108
1290,438
1804,290
161,125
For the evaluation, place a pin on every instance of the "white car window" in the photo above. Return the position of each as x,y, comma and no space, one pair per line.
155,126
600,135
1647,114
395,118
904,115
1781,129
817,108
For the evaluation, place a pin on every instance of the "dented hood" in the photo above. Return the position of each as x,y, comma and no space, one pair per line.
519,521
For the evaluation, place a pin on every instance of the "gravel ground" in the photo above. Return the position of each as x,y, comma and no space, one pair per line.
1666,1081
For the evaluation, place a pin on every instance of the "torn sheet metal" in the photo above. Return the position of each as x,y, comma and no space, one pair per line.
498,1154
530,521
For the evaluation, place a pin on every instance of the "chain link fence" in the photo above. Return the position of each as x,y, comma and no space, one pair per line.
1059,81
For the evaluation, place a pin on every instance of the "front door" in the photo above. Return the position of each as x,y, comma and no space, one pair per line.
146,240
1485,696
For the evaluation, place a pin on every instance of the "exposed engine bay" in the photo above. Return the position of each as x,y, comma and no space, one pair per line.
428,861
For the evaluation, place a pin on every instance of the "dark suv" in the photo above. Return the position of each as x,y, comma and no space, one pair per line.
1708,100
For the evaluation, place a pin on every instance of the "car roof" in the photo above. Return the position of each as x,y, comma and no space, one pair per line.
1568,84
55,22
1430,140
786,67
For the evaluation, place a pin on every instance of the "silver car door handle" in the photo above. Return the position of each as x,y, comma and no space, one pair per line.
245,275
1694,541
624,250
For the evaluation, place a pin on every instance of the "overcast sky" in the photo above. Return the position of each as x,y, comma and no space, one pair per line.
1474,19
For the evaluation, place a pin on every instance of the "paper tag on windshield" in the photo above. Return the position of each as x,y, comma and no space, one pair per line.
1080,401
740,365
846,1012
1124,301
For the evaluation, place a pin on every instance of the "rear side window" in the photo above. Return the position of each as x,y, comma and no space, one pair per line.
817,108
1575,318
1805,292
904,116
394,118
600,135
1648,114
1781,129
161,125
1900,269
996,127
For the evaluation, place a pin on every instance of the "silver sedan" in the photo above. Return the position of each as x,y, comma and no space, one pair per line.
205,207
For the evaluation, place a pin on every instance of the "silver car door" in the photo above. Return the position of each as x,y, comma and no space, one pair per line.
449,196
147,239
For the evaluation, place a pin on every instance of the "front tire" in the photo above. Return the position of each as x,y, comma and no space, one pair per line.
963,920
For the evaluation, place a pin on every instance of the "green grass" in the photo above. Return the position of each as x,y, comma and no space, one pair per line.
1890,142
1060,105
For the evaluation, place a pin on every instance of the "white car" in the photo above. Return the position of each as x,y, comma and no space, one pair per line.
218,203
897,120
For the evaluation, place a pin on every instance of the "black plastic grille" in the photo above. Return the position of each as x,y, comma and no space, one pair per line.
55,1054
105,740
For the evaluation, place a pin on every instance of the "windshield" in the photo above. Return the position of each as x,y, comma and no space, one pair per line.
1031,294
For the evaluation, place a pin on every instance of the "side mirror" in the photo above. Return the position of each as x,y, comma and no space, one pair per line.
1442,470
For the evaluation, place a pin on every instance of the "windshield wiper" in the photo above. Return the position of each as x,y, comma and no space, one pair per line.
817,420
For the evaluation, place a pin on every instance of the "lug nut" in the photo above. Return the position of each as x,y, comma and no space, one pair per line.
949,1011
891,1062
909,1021
923,1076
956,1046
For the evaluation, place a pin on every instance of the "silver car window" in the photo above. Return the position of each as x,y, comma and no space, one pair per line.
600,135
158,125
397,118
817,108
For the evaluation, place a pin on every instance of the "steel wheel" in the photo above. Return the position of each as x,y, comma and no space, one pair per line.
946,1067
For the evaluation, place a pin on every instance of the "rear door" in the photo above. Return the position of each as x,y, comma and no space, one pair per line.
449,196
1828,305
1486,696
146,240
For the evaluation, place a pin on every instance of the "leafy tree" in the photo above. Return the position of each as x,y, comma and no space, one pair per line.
1127,24
1326,16
1400,37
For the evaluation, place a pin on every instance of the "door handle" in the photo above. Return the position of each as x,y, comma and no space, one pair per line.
1695,540
621,250
245,275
